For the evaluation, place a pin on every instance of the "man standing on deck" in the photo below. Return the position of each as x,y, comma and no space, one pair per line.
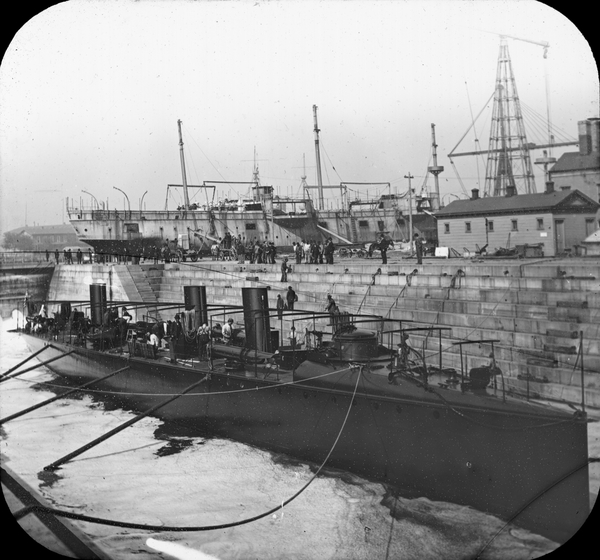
284,270
227,331
203,340
331,308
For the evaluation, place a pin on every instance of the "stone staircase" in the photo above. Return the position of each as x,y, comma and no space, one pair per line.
136,285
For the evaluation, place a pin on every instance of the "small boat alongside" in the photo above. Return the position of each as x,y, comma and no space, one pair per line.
342,391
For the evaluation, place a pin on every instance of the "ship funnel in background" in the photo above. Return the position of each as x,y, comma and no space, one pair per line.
194,297
256,319
97,303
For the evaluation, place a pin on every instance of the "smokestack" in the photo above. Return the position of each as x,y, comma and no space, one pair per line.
256,319
194,297
474,194
549,186
97,303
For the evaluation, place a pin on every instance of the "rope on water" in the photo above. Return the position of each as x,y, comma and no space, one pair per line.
111,522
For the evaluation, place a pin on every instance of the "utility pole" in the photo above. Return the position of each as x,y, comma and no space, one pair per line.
410,227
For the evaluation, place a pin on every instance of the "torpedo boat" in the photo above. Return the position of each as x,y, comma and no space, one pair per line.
348,391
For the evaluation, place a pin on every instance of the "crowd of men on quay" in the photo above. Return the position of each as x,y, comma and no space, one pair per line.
259,252
232,248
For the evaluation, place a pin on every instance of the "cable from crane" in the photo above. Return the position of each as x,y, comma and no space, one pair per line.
477,147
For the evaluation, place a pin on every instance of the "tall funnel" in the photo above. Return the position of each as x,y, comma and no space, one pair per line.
97,303
256,319
194,297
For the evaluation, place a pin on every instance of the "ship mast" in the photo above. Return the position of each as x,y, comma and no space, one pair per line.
435,170
186,197
318,157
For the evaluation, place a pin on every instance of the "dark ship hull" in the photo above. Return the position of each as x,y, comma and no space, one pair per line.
524,463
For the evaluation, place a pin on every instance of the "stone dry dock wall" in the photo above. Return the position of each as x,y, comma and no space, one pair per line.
535,309
14,286
124,284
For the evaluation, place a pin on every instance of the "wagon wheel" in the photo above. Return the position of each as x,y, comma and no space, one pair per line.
194,257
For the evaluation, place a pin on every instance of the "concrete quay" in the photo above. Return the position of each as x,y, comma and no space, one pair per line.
537,309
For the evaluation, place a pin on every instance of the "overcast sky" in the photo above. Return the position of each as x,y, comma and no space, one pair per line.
90,94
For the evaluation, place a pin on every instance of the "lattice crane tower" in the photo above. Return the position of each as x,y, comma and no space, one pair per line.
509,164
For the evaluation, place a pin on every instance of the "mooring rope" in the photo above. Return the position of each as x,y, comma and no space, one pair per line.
177,528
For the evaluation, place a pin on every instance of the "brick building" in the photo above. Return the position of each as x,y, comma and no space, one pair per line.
40,238
581,170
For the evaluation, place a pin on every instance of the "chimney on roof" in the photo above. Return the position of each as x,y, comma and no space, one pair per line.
511,190
595,134
549,186
585,137
474,194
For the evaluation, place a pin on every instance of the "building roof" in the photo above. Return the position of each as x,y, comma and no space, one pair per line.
60,229
593,238
574,161
520,204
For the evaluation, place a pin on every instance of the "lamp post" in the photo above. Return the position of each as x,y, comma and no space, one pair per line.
451,194
128,204
142,200
97,204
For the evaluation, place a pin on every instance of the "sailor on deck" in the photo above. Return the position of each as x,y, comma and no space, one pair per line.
227,331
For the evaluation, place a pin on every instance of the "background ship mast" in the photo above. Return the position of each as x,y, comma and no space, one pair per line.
318,157
435,170
186,197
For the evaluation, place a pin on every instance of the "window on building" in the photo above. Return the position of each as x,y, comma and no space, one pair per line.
323,224
363,223
250,226
467,227
514,225
589,226
540,223
131,228
490,225
381,225
446,228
